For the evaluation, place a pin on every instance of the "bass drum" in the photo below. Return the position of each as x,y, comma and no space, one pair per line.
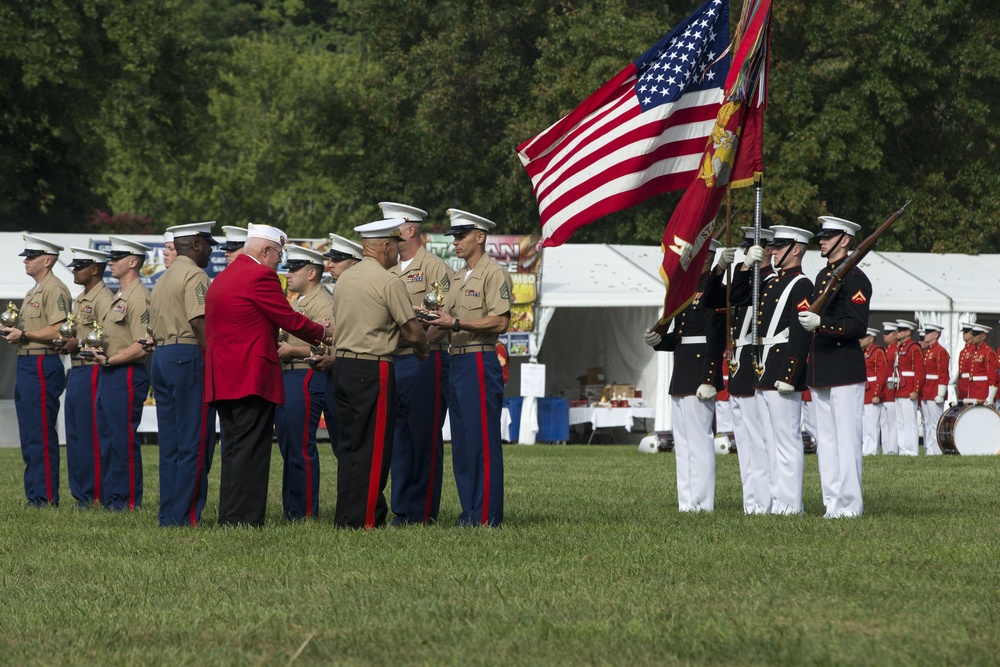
969,430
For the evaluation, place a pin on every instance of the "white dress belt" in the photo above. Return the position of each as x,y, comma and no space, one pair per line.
689,340
871,379
932,377
906,374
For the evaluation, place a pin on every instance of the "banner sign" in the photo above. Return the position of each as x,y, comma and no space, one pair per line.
520,255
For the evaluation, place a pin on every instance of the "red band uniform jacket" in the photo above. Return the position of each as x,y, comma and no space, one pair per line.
936,362
909,370
244,309
877,368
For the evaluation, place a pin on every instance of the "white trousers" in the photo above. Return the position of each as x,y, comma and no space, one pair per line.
931,413
808,418
782,419
694,449
906,426
872,414
887,422
838,447
724,416
747,427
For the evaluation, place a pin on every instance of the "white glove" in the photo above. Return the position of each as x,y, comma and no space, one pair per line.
652,338
991,396
809,321
706,392
783,388
942,390
754,255
726,257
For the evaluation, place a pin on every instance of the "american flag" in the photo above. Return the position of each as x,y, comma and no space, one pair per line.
642,133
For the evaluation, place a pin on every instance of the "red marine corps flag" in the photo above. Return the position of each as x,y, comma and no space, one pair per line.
733,158
642,133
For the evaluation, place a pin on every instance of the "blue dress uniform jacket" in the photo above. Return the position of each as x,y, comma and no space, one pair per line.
697,363
784,361
743,382
835,355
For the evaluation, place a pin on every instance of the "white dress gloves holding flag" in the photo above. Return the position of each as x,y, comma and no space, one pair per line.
809,321
652,338
754,255
726,257
705,392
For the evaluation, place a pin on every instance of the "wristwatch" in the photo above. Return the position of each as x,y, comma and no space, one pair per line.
456,327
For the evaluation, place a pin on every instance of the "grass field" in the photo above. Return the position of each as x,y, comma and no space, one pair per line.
593,566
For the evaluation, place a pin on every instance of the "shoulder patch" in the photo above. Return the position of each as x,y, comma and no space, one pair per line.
504,291
803,305
145,317
859,297
445,282
61,304
199,292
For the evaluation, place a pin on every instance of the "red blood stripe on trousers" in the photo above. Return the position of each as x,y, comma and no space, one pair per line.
486,435
305,441
45,430
94,375
193,512
375,476
131,442
435,436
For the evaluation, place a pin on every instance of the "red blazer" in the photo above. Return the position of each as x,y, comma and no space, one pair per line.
877,369
910,364
244,309
936,362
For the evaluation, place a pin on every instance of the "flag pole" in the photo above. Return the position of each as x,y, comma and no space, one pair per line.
755,296
729,282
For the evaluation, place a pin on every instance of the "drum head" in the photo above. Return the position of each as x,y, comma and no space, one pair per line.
978,431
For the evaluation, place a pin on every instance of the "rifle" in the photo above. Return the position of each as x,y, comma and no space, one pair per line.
852,260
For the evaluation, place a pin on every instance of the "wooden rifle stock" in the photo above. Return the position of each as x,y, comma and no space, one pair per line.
852,260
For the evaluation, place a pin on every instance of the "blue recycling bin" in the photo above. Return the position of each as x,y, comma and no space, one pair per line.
553,420
514,405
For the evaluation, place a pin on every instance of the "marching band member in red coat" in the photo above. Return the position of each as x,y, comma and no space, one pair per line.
932,396
244,309
983,368
964,363
877,372
908,371
887,421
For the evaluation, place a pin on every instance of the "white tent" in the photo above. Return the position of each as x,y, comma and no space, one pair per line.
596,300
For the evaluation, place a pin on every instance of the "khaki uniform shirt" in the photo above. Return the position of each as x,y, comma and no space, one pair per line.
317,305
178,298
91,307
126,319
47,303
369,306
485,293
421,273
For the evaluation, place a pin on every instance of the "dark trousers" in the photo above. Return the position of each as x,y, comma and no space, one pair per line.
248,429
186,433
330,416
295,423
120,395
475,403
366,411
418,448
83,447
40,382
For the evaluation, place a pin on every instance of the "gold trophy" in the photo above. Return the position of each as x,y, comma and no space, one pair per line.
433,301
8,318
66,330
93,342
316,351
